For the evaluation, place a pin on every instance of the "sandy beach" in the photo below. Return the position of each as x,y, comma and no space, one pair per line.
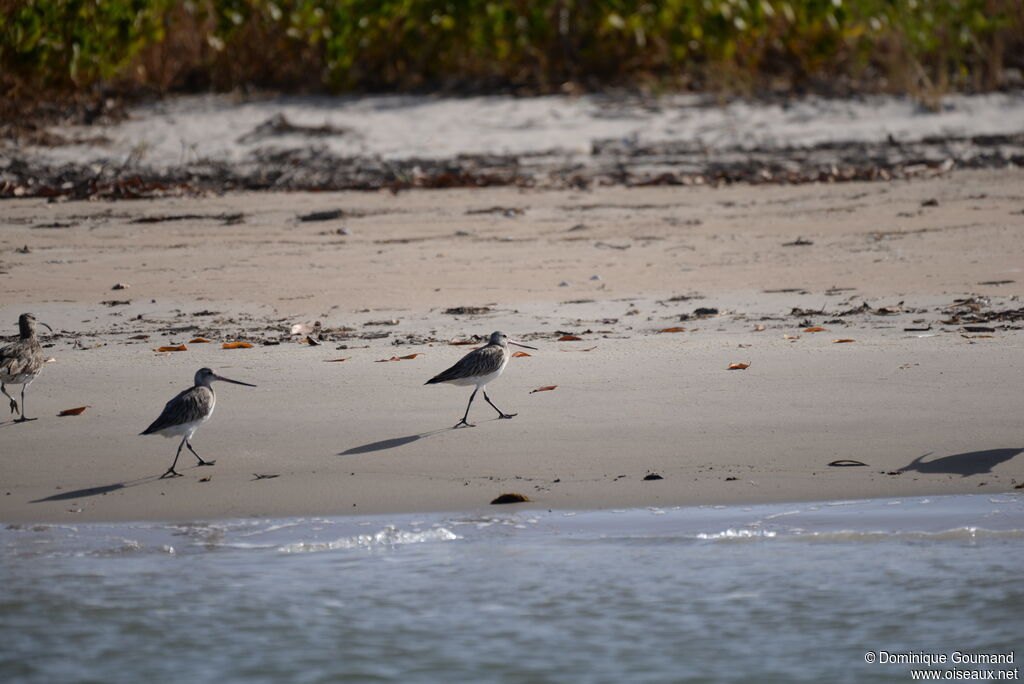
924,276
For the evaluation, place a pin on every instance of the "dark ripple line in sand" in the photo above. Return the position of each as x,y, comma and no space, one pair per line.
610,163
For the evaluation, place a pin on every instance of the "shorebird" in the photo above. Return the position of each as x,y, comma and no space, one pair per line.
186,412
479,367
21,362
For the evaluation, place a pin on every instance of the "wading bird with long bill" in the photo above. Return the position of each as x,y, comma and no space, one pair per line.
479,367
186,412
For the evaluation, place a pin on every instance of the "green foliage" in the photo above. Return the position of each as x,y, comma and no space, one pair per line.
66,43
539,45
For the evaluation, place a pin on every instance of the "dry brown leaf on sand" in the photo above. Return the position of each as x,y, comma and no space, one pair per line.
139,337
516,355
179,347
199,340
544,389
759,327
791,337
814,328
337,360
569,338
845,339
236,345
74,411
399,358
671,330
738,366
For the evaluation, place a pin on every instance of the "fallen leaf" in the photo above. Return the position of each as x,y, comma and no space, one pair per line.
180,347
677,329
846,463
236,345
337,360
206,479
814,328
978,328
738,366
511,497
73,412
569,338
544,389
516,355
199,340
845,339
139,337
399,358
759,327
791,337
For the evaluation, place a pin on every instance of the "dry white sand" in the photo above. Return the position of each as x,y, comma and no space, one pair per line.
929,412
181,130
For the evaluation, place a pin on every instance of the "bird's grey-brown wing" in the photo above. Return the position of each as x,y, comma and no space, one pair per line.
19,358
478,362
190,405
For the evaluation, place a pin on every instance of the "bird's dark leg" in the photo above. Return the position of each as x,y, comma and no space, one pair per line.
23,418
463,421
14,404
501,414
201,461
171,472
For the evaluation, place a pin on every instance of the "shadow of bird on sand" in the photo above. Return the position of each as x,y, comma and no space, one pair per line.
96,491
968,463
391,443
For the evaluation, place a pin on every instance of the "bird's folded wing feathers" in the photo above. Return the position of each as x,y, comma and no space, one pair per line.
478,362
188,406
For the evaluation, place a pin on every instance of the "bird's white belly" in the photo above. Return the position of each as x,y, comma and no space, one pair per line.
183,429
478,380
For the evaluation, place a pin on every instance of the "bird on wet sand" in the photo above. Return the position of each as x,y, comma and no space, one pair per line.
21,362
479,367
186,412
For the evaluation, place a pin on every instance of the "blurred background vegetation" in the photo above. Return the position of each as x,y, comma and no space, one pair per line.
54,49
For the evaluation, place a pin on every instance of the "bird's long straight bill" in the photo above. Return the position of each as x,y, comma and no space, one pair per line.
237,382
520,344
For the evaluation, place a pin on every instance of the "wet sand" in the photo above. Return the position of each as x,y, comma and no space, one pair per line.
925,276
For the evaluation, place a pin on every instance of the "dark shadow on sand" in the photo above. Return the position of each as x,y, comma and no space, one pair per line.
100,490
392,443
968,463
82,493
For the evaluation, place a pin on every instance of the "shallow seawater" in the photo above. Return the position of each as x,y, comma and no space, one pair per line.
767,593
